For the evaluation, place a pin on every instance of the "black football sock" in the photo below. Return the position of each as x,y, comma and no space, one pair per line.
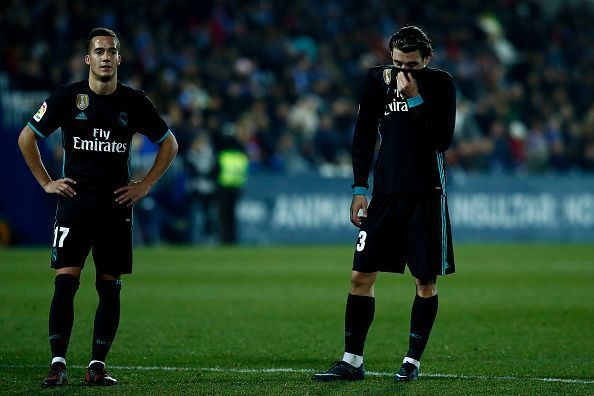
61,315
358,318
107,317
422,318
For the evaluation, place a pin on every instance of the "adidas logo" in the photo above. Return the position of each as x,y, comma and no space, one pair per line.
81,116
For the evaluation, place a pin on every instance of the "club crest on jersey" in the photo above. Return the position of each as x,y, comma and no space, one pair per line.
82,101
39,115
387,76
123,119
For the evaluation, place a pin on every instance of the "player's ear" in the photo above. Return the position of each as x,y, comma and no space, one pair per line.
88,59
119,59
426,60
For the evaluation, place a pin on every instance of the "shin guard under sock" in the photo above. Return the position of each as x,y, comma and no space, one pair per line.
61,315
358,318
107,317
422,318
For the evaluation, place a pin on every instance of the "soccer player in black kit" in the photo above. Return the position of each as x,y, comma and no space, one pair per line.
97,117
412,108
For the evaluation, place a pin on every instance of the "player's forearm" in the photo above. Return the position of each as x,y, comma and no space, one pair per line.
438,118
365,135
362,160
441,128
165,155
363,150
32,156
445,117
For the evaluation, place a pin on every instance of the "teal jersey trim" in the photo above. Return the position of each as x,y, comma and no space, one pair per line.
444,237
441,170
41,135
63,164
164,137
63,155
414,101
360,191
129,164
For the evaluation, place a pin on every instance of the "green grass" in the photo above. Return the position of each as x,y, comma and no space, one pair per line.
525,311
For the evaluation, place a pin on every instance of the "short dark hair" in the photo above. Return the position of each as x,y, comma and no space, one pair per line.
99,31
409,39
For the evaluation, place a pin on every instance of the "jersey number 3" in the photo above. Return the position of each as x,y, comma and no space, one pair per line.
64,231
361,241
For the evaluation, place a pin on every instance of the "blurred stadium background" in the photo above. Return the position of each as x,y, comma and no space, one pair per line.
283,79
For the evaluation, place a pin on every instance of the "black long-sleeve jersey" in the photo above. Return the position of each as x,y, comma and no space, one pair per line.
412,139
97,132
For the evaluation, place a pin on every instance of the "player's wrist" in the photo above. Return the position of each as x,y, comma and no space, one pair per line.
358,190
147,184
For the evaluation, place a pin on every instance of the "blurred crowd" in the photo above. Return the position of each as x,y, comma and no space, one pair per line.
283,77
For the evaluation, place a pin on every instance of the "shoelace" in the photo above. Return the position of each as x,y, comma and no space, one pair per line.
336,363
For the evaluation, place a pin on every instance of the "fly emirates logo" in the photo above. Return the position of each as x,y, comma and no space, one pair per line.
398,103
100,143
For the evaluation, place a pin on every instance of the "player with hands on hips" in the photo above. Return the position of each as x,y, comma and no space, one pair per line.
97,118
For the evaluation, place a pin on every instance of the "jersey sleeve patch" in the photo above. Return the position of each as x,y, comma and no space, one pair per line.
41,112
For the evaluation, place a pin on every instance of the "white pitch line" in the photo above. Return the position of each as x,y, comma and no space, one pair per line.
295,370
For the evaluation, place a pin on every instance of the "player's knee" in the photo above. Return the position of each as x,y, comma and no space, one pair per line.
361,281
426,287
66,284
106,276
74,271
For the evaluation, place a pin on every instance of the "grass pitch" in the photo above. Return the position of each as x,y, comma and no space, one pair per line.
258,321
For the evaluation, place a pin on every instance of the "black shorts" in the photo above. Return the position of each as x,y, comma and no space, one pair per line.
109,240
406,229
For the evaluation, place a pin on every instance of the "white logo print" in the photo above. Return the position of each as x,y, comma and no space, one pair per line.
39,115
398,104
99,145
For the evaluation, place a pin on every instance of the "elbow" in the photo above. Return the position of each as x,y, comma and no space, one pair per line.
443,145
25,139
443,140
172,145
442,148
21,141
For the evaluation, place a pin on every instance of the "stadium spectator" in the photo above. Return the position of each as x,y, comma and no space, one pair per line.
232,165
280,73
201,186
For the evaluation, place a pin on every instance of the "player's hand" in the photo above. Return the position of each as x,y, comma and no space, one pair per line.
131,193
406,84
61,187
359,203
